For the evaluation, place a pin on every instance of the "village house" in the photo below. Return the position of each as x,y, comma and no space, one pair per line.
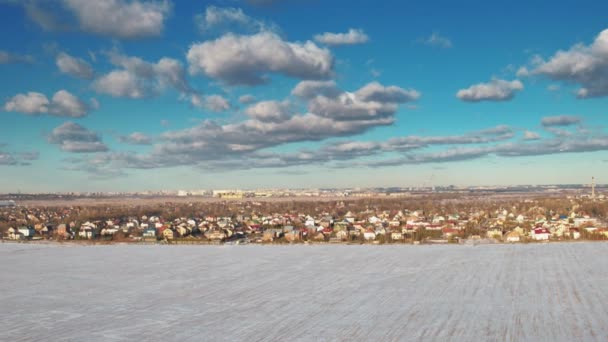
109,231
512,236
46,231
268,236
168,234
28,232
494,233
14,234
369,235
62,231
86,232
149,233
575,233
449,232
342,235
215,235
349,217
540,234
338,226
292,236
182,230
374,220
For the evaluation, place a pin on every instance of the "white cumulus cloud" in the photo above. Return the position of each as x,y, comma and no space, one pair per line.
353,36
374,91
270,111
121,18
30,103
63,103
228,18
311,89
136,138
247,99
529,135
437,40
585,65
76,67
560,120
72,137
136,78
214,103
247,60
495,90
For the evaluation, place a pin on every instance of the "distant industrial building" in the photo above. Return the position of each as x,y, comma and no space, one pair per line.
228,194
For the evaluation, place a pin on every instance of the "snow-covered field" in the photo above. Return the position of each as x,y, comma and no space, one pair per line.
536,292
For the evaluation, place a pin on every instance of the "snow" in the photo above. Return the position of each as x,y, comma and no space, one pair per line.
533,292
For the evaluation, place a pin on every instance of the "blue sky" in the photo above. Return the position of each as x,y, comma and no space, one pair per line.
126,95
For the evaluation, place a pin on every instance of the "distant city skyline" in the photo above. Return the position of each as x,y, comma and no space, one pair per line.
117,95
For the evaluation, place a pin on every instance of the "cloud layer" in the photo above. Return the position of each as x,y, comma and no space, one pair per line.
560,120
270,124
9,57
214,147
17,159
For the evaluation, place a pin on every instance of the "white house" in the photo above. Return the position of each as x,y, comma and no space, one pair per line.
396,236
349,217
438,220
86,232
109,231
394,223
27,232
540,234
374,220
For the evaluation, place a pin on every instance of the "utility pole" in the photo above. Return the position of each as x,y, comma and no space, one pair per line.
593,188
